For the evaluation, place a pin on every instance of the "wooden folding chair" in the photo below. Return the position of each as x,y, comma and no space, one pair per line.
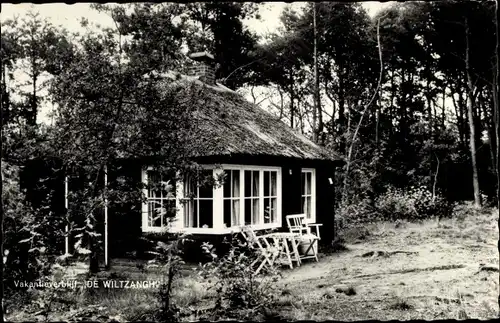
297,225
285,254
267,253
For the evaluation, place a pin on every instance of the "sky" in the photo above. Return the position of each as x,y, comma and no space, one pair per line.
70,15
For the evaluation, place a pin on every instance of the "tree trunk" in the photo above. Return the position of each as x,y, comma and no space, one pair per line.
345,194
316,110
292,98
496,107
470,114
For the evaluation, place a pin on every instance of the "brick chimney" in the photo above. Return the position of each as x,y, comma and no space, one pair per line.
203,66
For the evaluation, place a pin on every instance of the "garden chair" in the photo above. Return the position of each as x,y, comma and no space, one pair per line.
267,252
297,225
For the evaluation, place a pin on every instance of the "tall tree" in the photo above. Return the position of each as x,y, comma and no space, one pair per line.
218,28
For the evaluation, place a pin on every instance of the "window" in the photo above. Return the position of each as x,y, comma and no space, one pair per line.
270,196
199,202
232,198
308,184
252,197
249,195
160,196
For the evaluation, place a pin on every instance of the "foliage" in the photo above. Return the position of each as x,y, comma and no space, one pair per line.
240,293
168,258
417,203
26,244
413,204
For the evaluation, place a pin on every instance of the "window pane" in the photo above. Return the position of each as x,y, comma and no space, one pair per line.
191,214
308,201
255,184
303,182
248,211
266,184
206,191
227,213
206,214
168,189
308,182
236,183
189,186
194,217
255,211
150,213
274,183
236,213
248,183
154,210
169,211
227,183
274,210
153,182
304,205
267,210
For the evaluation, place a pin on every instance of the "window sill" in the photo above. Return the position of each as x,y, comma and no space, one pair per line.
209,230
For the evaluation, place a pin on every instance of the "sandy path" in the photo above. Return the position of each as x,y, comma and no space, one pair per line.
439,277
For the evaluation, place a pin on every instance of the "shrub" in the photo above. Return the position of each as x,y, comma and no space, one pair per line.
355,213
240,293
25,236
414,204
169,260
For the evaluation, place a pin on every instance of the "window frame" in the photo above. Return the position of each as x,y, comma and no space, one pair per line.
218,202
145,212
312,195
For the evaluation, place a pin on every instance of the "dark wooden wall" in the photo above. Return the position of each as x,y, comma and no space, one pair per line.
325,202
291,190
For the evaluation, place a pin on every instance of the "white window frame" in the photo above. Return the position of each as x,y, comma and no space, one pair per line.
218,203
172,225
180,207
312,219
261,169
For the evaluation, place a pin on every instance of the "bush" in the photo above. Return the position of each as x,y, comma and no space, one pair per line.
26,251
355,213
415,204
240,293
168,259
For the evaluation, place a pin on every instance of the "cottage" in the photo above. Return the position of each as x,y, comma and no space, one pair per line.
269,171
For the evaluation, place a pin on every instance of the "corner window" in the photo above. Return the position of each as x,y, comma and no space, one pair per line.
308,195
249,195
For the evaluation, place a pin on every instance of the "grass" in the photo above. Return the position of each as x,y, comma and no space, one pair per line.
407,273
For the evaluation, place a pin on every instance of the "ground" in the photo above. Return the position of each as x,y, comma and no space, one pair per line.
444,269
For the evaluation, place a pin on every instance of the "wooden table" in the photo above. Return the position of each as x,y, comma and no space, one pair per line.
287,245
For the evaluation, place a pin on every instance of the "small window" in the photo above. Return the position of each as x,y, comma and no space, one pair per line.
232,198
308,194
198,207
252,197
270,196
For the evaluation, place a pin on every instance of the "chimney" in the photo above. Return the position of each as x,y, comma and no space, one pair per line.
203,66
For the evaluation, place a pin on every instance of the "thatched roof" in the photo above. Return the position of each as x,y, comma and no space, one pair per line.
230,125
